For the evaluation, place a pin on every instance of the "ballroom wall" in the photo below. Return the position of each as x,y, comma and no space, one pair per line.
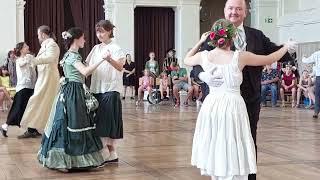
187,26
302,23
8,27
299,19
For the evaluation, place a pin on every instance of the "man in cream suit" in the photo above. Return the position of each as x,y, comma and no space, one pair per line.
38,109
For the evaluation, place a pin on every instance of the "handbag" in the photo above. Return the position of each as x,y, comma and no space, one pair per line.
91,102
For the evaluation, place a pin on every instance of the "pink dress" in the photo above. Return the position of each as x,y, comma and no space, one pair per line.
146,82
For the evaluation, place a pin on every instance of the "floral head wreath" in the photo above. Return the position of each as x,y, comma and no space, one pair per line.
66,35
222,32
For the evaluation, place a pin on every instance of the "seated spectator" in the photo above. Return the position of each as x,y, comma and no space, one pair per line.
303,86
288,85
164,85
195,82
172,67
5,81
269,82
293,63
294,71
5,73
180,82
168,60
315,58
311,88
4,93
10,66
4,96
152,65
145,84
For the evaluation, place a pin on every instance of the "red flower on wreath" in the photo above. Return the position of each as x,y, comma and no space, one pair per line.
212,35
221,41
222,32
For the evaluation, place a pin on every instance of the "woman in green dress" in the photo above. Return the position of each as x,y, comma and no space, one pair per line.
69,141
152,65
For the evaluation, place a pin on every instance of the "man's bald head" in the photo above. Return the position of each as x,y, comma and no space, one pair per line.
235,11
244,2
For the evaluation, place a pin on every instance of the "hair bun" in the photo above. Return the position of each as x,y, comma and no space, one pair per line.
222,33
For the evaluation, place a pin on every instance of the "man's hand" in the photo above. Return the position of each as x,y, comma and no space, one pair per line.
292,46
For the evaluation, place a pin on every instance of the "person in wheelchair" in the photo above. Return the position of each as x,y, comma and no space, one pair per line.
145,84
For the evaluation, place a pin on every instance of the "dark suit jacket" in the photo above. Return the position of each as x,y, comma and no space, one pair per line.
257,43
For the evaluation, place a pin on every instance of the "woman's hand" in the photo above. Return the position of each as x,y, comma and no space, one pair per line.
107,56
204,36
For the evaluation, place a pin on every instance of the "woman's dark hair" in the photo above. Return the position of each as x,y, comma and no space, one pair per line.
106,25
46,29
126,62
3,68
72,34
18,48
11,52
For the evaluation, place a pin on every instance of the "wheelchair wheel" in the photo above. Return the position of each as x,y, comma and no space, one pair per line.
154,97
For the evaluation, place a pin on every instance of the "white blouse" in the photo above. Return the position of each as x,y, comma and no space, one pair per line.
26,74
106,78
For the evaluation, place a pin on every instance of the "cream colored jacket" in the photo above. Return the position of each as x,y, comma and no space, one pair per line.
46,87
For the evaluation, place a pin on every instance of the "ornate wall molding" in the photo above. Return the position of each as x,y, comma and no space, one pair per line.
108,9
20,4
20,19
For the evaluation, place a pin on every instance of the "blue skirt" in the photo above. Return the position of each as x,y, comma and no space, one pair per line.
109,115
69,140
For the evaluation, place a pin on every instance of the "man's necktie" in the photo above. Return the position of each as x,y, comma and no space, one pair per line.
240,42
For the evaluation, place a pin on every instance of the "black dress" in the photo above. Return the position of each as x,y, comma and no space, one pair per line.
128,81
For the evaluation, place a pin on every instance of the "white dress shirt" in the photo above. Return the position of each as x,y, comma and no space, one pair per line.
314,58
26,74
106,78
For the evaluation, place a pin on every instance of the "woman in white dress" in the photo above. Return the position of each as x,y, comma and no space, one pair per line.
223,147
106,84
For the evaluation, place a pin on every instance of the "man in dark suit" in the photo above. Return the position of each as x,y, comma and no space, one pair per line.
252,40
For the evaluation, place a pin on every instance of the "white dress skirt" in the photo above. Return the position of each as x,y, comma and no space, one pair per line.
222,145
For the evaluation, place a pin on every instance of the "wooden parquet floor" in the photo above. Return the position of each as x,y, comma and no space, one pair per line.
157,146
